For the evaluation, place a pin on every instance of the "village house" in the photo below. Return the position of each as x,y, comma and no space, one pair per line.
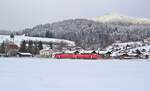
21,54
146,55
46,53
129,56
11,49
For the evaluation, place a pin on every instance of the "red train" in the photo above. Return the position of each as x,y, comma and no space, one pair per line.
77,56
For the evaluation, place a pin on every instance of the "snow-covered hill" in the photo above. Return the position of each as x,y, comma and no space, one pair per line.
19,39
119,18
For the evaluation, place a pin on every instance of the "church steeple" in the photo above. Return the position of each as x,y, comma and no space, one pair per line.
12,37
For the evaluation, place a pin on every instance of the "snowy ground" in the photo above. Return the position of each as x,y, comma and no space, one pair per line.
32,74
18,39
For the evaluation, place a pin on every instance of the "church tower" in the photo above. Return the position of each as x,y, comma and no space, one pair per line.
12,38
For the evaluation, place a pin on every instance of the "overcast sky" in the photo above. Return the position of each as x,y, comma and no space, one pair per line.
20,14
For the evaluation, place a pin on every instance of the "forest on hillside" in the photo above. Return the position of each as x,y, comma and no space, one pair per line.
90,34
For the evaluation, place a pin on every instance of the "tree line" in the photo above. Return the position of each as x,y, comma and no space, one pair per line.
30,46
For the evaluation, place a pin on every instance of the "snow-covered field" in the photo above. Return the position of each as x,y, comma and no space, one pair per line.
33,74
18,39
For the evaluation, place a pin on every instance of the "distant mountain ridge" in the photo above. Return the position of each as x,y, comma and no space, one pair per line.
117,18
4,32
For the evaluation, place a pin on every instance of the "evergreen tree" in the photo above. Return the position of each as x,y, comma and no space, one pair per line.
23,47
30,47
2,48
36,49
51,45
49,34
40,45
138,52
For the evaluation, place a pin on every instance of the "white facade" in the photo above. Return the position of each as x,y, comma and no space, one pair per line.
46,53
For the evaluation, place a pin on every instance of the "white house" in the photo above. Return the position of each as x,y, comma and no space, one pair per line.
46,53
